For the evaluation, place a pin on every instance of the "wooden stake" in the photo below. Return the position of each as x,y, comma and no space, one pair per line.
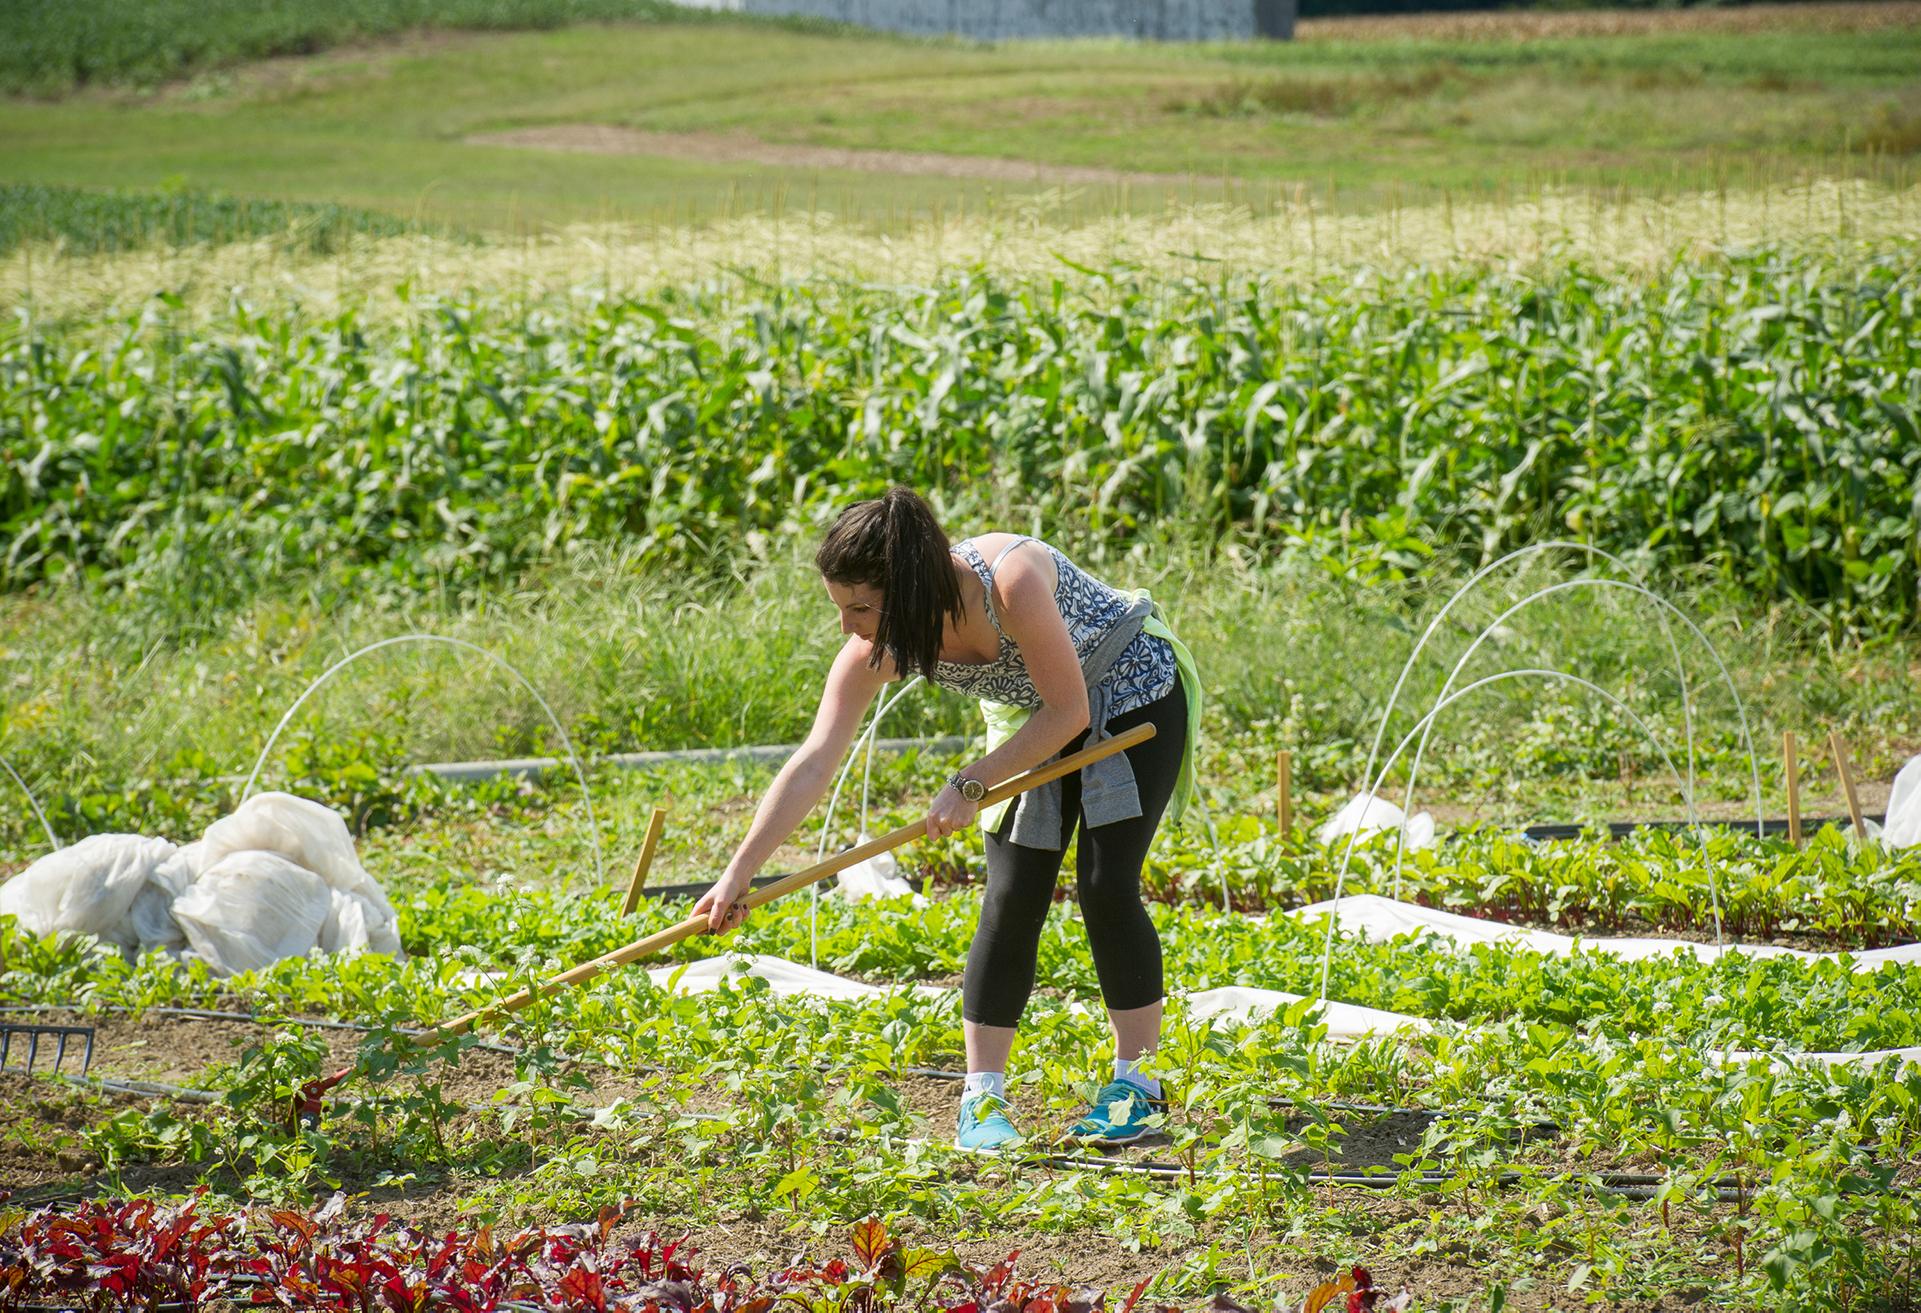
655,824
1284,792
1840,751
1792,757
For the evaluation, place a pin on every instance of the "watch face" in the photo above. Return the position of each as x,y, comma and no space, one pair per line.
973,790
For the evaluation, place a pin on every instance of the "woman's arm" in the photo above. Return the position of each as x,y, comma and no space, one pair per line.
803,780
1024,586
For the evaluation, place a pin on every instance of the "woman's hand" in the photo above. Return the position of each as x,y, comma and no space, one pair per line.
950,813
722,903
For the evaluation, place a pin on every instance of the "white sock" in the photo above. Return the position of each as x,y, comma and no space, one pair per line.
986,1082
1129,1070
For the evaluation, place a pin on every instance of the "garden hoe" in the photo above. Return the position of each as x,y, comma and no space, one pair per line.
307,1101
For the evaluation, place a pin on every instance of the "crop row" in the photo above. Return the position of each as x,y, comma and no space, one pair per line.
1833,892
1754,422
749,1102
87,222
56,48
1740,1001
742,1100
137,1254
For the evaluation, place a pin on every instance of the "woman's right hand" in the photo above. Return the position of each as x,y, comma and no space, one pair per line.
722,904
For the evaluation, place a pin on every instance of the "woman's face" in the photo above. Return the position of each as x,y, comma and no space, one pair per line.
859,606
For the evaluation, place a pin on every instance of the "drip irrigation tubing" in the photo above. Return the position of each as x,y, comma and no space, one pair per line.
513,1050
1628,1184
1634,1185
1771,828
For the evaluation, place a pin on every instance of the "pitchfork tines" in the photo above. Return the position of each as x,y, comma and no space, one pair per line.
28,1036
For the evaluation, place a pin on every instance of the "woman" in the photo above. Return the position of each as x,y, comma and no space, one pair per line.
1054,656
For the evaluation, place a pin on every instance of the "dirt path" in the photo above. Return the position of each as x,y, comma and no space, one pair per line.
738,148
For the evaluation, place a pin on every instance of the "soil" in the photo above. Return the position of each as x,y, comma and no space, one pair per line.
181,1051
41,1122
725,147
40,1132
1807,941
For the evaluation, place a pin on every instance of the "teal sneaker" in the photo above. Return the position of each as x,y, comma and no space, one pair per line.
1119,1115
984,1126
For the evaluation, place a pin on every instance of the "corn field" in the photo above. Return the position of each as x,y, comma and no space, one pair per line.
1754,421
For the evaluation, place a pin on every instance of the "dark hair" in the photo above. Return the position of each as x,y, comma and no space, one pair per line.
895,544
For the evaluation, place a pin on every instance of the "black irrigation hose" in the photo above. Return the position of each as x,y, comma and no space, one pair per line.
495,1046
1616,1182
1621,829
1634,1185
1283,1101
146,1089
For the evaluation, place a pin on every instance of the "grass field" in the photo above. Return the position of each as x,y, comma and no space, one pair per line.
742,118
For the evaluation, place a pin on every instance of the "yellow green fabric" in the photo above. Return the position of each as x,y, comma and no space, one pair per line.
1003,720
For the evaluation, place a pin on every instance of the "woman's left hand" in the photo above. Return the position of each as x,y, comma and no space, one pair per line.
950,813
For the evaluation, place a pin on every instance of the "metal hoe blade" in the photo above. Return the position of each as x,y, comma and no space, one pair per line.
29,1037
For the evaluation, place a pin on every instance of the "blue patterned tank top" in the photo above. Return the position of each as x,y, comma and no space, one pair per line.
1144,673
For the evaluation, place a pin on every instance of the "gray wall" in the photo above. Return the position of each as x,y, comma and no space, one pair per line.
999,20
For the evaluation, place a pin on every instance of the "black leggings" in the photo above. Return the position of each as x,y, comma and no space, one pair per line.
1107,872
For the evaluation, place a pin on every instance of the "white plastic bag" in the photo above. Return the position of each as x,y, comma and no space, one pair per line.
150,920
88,887
877,877
1903,827
1364,816
315,837
301,830
356,924
251,909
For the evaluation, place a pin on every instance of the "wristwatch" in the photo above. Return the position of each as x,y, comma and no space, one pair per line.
971,789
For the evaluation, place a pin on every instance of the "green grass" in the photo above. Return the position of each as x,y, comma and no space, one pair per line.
145,713
384,127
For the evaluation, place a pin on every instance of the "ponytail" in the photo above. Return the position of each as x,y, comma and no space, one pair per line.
895,544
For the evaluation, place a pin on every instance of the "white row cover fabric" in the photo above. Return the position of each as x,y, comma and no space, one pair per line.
1349,1021
1343,1020
786,978
1903,827
877,877
1365,816
251,909
1231,1003
92,887
278,878
1380,918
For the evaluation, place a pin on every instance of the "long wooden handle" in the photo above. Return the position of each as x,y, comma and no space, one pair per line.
840,861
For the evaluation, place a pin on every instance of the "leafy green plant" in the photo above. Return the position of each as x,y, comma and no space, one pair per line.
1246,412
